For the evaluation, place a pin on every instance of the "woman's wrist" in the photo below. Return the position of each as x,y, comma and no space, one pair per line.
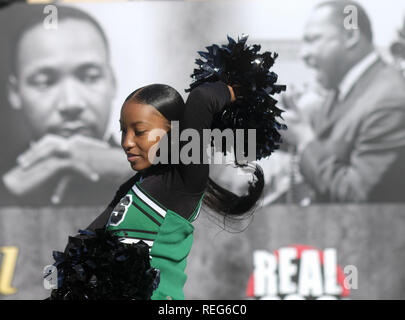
233,97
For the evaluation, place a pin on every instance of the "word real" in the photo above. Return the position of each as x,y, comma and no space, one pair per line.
308,274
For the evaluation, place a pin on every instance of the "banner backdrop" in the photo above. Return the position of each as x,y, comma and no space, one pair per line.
285,252
62,84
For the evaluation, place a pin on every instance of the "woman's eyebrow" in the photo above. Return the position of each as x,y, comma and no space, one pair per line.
134,123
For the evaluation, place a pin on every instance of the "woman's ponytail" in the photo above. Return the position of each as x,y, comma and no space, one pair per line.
228,203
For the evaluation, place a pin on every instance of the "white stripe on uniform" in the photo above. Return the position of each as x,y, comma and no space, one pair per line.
132,240
152,204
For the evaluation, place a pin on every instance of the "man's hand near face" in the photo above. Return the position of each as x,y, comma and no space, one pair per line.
55,155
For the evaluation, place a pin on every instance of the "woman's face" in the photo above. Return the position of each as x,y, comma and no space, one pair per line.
142,126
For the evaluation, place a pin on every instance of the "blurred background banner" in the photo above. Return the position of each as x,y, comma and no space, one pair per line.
331,220
285,252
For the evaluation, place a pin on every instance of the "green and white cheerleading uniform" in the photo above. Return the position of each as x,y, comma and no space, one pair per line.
138,216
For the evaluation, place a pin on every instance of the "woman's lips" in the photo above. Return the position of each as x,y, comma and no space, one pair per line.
133,157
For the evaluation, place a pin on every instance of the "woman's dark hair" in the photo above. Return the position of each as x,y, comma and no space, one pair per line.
162,97
170,103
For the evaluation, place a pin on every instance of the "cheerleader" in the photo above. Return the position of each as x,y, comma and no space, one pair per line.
156,207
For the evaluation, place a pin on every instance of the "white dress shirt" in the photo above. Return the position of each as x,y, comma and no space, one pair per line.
355,73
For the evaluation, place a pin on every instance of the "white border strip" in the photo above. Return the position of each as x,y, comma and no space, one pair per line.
132,240
198,213
153,205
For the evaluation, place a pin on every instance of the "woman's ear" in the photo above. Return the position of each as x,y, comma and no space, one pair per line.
13,95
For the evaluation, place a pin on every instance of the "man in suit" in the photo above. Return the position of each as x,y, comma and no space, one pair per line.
60,87
355,150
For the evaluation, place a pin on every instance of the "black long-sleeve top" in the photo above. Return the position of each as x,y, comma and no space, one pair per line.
179,187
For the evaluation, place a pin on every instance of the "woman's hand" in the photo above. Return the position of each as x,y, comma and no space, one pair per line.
233,97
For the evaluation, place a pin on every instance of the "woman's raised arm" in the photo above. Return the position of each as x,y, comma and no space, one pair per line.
202,103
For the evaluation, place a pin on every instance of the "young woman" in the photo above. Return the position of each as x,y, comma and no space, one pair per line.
155,208
160,202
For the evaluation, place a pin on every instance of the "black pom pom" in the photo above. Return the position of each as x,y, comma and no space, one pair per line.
96,265
248,73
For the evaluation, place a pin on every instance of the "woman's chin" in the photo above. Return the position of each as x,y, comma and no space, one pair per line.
138,166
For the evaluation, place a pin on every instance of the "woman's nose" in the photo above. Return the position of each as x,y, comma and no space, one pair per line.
128,141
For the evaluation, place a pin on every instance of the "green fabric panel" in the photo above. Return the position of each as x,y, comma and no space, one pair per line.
169,254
